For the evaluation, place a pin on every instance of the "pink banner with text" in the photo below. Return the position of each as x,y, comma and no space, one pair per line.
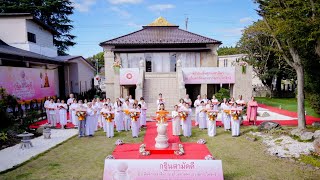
123,169
129,76
209,75
27,83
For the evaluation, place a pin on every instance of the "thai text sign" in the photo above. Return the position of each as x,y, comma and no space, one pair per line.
124,169
209,75
27,83
129,76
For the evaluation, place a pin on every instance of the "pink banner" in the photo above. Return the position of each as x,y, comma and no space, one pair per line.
123,169
209,75
129,76
27,83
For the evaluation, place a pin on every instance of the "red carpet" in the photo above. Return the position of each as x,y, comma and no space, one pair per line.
36,125
131,151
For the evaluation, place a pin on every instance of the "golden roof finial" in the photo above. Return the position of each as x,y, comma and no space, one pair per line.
160,21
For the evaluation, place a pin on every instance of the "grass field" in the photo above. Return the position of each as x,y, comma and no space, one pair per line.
286,103
84,159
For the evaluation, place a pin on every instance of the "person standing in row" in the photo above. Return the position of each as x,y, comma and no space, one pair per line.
126,117
143,115
52,113
57,110
118,115
109,124
46,105
197,104
176,121
188,100
235,120
160,101
72,110
202,116
135,121
63,114
90,120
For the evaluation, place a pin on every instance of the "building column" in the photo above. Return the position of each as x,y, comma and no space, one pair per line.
182,88
109,72
203,89
139,85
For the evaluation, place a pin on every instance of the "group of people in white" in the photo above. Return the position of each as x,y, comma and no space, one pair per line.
206,113
129,114
124,114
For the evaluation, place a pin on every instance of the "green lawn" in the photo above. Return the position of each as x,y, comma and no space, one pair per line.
286,103
84,159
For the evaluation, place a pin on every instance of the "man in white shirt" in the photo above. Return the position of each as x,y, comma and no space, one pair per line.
197,104
70,100
46,103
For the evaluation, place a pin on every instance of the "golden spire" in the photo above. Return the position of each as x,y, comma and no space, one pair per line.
160,21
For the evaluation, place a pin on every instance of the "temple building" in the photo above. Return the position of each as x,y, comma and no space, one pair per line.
161,58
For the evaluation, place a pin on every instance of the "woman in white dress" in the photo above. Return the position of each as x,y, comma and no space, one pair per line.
235,121
90,120
187,124
211,121
126,117
197,104
226,118
215,103
118,115
176,122
143,115
135,124
108,126
202,116
160,100
63,113
74,118
57,111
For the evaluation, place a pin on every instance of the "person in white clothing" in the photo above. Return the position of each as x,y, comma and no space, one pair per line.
160,100
70,100
188,100
72,109
63,114
90,120
126,117
52,113
121,99
202,116
187,124
131,101
46,103
211,120
108,123
197,104
118,119
215,103
57,111
176,129
205,99
226,118
143,115
235,120
135,123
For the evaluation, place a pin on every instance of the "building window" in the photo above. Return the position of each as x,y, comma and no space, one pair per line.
225,62
31,37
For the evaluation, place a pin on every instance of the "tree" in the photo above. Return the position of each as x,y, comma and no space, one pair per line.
294,26
99,57
228,50
262,54
54,13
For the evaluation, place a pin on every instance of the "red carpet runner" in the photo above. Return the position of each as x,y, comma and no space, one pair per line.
131,151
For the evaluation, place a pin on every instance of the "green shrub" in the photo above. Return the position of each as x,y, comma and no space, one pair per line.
223,93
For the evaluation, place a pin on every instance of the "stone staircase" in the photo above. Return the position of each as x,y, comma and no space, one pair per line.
165,83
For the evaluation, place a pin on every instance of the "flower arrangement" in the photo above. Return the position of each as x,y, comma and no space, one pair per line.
126,111
235,115
142,150
244,65
179,152
110,157
118,142
208,157
134,115
116,64
212,115
81,115
161,116
201,141
183,115
228,112
108,116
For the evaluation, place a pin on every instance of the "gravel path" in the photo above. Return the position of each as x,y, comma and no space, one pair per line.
12,156
285,146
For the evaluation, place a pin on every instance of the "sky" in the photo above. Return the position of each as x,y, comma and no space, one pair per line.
96,21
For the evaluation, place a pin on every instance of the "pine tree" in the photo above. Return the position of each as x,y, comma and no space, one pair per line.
54,13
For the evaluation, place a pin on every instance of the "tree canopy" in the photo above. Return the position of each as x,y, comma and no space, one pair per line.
54,13
228,50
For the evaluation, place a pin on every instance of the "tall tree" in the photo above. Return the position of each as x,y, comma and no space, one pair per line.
258,44
54,13
99,57
228,50
294,26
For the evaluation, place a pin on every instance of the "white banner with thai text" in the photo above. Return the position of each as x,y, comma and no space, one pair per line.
125,169
129,76
209,75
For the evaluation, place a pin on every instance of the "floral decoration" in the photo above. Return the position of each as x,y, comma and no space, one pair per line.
201,141
119,142
110,157
179,152
208,157
142,150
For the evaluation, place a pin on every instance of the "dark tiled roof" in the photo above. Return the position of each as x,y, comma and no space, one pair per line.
160,35
9,52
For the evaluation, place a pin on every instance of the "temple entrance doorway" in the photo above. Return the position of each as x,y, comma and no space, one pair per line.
193,90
